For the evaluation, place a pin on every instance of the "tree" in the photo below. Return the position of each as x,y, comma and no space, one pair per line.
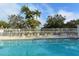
37,14
15,21
72,24
32,24
28,13
30,17
4,24
56,21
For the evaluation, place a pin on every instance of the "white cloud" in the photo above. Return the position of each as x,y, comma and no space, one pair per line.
69,15
8,9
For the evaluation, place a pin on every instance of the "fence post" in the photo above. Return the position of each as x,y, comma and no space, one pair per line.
78,30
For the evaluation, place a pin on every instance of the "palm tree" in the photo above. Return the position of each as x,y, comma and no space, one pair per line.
29,16
37,13
32,24
29,13
26,11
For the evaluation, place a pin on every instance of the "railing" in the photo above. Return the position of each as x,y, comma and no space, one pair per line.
60,32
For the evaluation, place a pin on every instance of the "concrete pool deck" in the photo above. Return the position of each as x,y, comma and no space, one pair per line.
21,37
31,37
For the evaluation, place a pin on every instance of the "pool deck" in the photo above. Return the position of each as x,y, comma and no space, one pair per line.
31,37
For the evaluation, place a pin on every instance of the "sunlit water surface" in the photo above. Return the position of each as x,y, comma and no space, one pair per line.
40,47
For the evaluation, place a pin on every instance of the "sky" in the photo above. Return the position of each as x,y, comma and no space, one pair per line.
69,10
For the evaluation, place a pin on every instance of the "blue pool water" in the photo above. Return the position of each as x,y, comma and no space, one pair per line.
37,47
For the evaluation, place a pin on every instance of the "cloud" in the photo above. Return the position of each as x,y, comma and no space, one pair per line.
8,9
49,10
69,15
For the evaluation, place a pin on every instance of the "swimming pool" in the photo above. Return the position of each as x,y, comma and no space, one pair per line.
40,47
